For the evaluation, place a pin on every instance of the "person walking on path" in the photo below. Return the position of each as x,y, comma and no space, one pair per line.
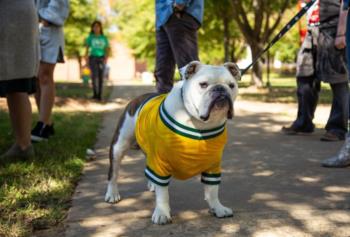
177,23
330,67
342,158
52,15
97,51
308,87
19,57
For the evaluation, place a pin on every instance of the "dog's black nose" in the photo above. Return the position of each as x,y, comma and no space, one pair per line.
219,88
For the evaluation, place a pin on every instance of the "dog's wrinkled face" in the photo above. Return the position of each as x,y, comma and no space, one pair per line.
209,91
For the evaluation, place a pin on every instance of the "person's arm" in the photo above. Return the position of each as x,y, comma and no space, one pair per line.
107,51
340,39
55,13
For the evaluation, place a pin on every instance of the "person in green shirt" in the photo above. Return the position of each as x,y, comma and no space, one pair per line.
97,50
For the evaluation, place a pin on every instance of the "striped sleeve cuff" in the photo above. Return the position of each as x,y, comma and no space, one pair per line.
157,179
211,179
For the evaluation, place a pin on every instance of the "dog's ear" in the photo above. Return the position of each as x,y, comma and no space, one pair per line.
191,69
234,70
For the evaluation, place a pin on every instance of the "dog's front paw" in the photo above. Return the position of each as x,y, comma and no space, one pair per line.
112,194
221,211
161,216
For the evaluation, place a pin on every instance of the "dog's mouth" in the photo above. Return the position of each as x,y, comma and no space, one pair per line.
221,101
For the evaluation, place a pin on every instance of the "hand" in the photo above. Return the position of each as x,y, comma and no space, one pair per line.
179,7
340,42
44,22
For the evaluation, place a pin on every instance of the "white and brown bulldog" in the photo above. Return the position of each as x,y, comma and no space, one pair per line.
182,134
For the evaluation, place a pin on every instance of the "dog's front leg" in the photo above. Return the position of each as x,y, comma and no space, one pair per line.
211,195
161,214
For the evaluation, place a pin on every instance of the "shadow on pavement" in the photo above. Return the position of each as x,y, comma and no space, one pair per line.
273,182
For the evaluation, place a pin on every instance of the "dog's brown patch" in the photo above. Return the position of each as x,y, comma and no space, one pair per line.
131,109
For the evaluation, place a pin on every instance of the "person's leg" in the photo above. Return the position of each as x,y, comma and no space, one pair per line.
94,75
165,63
100,79
309,91
20,111
338,118
47,92
307,94
182,34
21,117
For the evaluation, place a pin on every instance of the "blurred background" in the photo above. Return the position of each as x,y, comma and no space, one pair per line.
233,30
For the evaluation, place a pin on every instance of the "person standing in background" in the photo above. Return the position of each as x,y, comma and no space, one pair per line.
328,65
52,15
342,159
19,62
177,23
308,86
97,51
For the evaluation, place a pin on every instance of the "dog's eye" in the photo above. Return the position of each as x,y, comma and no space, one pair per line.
232,85
203,85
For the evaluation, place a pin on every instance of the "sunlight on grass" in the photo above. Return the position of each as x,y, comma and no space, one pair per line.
281,90
35,194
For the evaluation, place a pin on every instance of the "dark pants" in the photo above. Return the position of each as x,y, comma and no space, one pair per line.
307,92
176,43
97,67
338,118
328,65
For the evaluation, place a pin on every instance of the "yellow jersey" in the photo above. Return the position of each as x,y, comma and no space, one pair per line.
173,149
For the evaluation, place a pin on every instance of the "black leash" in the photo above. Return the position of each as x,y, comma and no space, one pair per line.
285,29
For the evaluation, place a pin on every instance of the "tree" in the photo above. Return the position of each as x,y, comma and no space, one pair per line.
136,22
219,37
77,27
258,21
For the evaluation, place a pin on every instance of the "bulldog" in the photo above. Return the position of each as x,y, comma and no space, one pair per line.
182,134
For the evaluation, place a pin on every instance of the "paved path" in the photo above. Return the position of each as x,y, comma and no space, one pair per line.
273,182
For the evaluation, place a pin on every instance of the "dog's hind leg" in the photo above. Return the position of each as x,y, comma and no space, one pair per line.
122,141
211,195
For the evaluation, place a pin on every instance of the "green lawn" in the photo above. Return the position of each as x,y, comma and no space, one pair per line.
36,194
282,90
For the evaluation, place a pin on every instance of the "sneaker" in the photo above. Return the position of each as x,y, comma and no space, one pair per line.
295,131
42,132
342,159
331,137
16,152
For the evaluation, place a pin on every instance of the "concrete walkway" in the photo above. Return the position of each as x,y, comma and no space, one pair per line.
273,182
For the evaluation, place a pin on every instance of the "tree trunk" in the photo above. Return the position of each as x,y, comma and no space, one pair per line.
226,39
80,64
257,75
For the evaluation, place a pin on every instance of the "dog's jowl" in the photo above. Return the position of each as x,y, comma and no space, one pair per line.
182,134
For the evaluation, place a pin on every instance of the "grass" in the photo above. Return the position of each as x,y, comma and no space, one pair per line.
35,194
281,90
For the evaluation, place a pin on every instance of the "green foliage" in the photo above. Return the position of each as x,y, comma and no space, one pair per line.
77,27
136,21
287,48
211,36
